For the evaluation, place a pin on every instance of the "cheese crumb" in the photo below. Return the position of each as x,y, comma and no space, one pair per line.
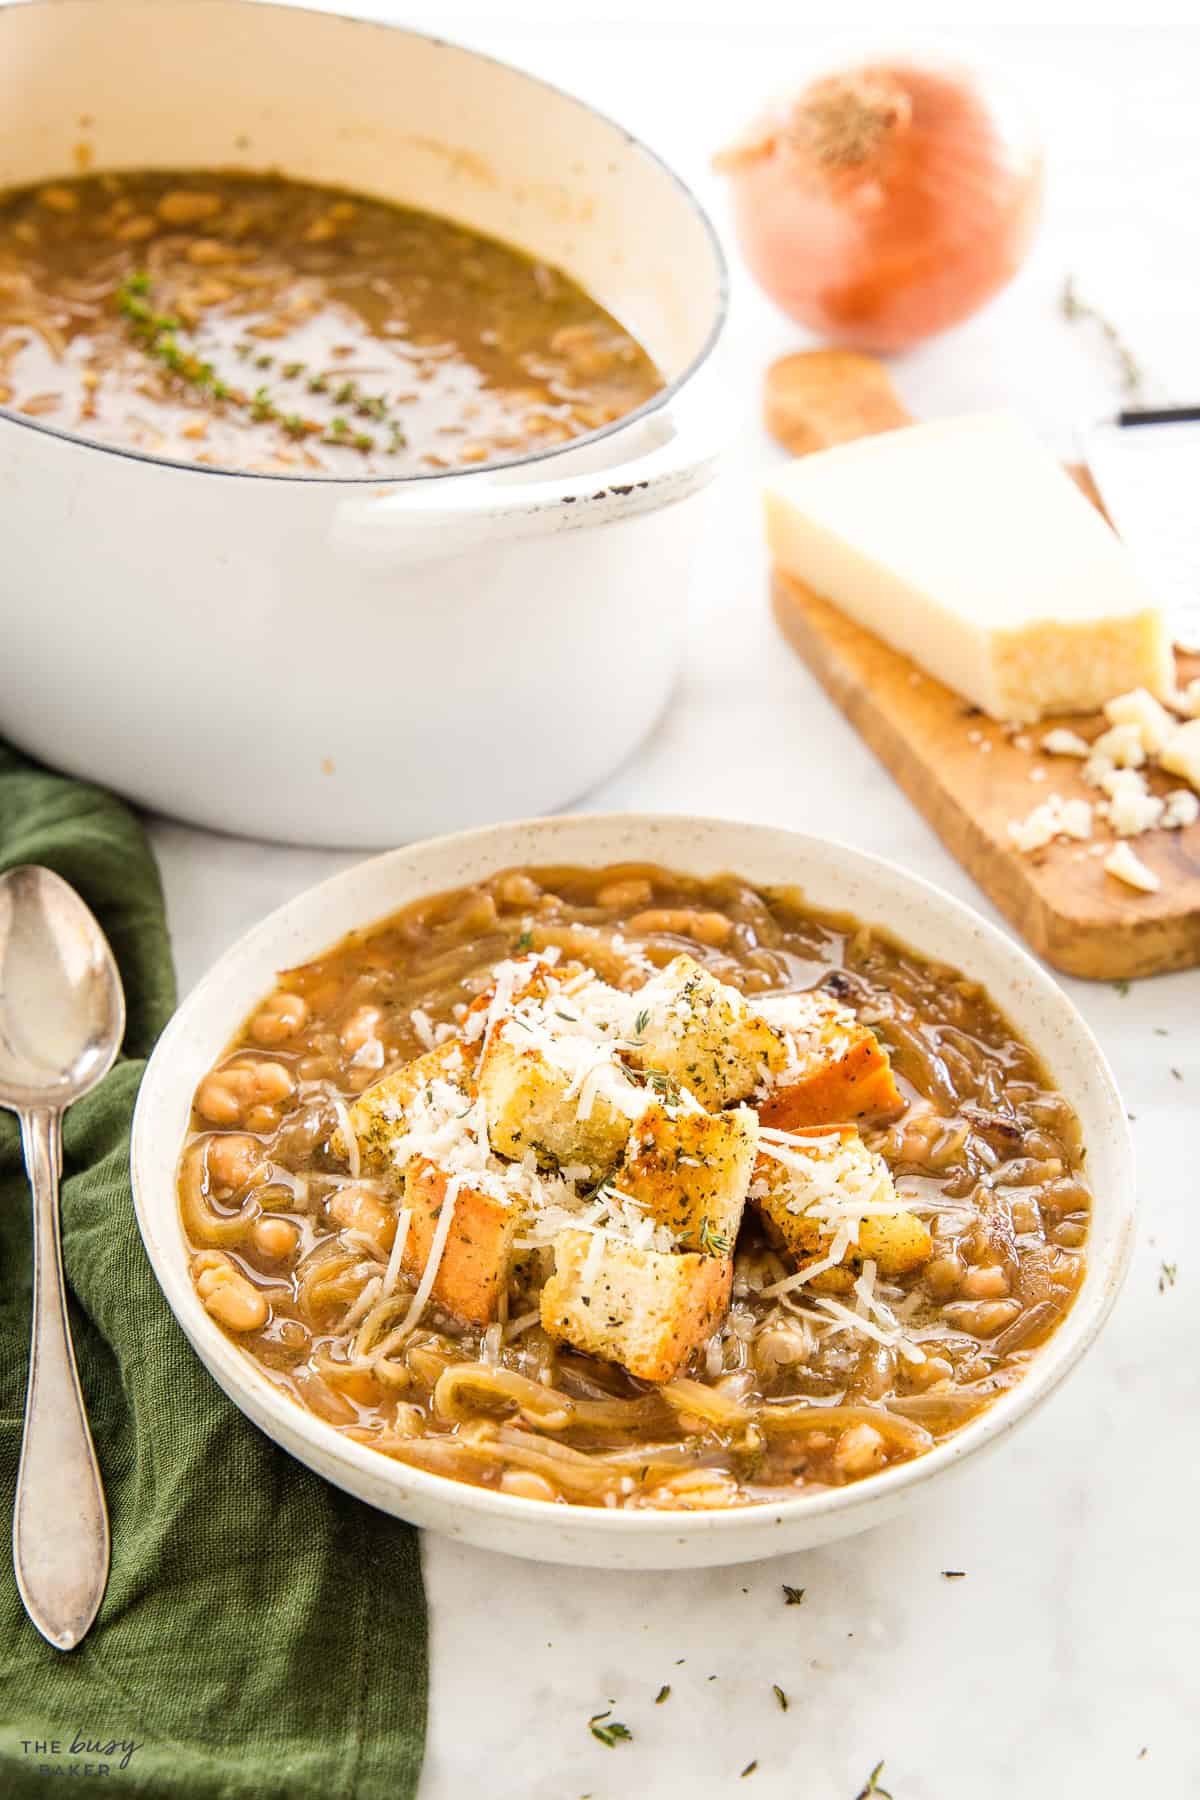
1055,817
1123,745
1181,755
1130,869
1131,808
1142,712
1180,808
1061,742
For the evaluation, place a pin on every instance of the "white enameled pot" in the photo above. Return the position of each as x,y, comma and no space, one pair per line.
342,661
831,877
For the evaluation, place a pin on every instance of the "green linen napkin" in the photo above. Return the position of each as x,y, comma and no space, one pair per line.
263,1636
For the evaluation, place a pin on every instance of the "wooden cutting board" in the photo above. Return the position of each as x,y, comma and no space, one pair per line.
969,775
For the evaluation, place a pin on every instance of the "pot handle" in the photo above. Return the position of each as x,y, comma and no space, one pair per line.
423,520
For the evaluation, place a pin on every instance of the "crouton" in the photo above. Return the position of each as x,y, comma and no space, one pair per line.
704,1036
690,1171
565,1115
825,1181
473,1271
378,1116
836,1069
641,1308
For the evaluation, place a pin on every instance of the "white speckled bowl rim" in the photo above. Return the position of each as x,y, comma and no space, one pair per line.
831,876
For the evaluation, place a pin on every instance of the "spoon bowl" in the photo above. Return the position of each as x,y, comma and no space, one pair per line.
62,1009
62,1019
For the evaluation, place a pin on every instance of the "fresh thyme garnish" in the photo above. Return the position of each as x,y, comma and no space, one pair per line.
664,1693
1161,1031
954,1574
1166,1276
1121,987
780,1696
792,1596
525,941
664,1085
749,1769
1177,1074
873,1786
610,1734
712,1243
1073,309
158,333
641,1022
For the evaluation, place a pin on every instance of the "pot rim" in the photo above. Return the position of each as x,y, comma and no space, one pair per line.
653,405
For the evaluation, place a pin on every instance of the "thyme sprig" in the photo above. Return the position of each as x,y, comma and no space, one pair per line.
712,1243
159,334
1132,375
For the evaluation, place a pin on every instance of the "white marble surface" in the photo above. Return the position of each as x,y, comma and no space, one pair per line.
1065,1662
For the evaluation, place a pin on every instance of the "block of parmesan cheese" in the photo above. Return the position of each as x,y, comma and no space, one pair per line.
967,546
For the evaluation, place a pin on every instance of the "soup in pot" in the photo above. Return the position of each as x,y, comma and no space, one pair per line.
624,1188
252,322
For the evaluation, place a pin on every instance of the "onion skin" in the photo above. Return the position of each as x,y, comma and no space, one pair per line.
886,204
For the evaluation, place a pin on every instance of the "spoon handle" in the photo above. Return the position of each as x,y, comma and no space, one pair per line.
60,1525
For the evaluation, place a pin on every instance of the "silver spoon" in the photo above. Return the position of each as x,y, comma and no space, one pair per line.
62,1018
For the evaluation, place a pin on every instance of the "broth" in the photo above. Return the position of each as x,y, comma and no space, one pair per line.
257,323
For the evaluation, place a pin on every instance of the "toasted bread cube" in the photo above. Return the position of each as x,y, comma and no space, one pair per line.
379,1114
473,1270
645,1309
896,1242
705,1036
690,1171
794,1200
836,1070
534,1104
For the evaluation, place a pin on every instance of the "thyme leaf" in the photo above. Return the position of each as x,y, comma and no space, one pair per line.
872,1786
609,1734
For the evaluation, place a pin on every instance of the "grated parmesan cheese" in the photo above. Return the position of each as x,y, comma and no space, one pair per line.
422,1024
349,1137
392,1272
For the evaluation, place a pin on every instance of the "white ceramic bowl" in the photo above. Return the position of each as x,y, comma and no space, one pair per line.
272,655
831,876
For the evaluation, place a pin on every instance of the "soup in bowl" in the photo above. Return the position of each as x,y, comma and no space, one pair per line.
643,1213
